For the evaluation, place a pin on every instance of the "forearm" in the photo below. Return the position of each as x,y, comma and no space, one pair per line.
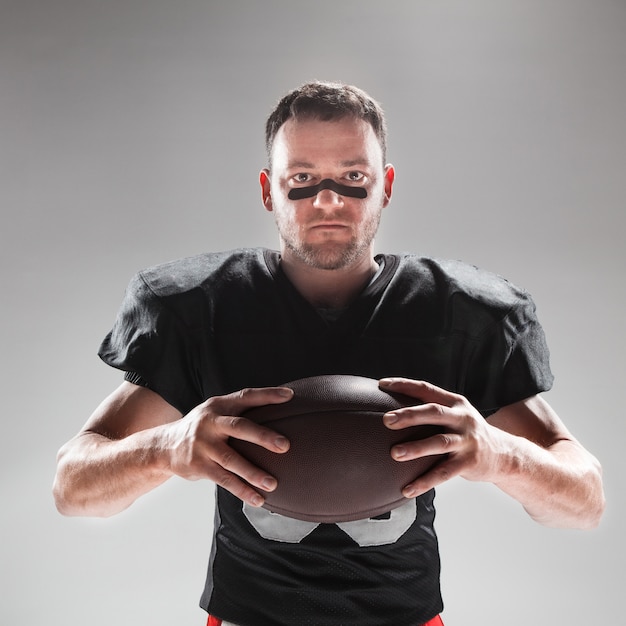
99,477
559,486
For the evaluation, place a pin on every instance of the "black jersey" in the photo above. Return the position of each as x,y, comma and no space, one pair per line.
215,323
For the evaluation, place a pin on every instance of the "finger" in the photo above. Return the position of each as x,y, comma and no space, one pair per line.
443,443
435,476
431,413
237,465
420,389
242,428
239,401
238,487
223,466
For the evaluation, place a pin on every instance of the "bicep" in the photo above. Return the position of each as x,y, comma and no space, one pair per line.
130,409
534,419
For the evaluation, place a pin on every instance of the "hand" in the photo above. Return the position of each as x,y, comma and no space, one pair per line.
470,443
197,445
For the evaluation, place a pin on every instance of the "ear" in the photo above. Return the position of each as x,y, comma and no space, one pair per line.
390,176
264,179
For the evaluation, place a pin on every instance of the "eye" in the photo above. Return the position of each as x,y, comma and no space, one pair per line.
355,177
301,177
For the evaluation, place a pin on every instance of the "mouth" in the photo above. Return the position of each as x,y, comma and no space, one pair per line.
329,226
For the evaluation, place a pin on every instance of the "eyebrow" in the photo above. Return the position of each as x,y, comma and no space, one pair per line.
303,164
348,163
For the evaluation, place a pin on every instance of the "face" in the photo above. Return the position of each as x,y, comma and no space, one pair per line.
327,231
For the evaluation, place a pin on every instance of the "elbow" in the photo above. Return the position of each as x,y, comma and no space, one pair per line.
597,499
67,492
583,506
590,518
64,496
60,488
62,500
69,503
595,520
590,511
74,492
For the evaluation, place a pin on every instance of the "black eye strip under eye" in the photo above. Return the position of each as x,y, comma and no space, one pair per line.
300,193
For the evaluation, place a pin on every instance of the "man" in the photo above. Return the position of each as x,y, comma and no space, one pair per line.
203,339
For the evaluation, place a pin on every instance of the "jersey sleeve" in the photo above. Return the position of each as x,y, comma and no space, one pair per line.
152,344
512,361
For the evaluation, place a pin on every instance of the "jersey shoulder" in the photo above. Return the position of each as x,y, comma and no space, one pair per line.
458,277
461,292
201,272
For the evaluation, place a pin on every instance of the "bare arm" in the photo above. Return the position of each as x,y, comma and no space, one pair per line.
524,449
135,441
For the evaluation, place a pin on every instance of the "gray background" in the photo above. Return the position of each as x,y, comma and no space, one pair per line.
131,133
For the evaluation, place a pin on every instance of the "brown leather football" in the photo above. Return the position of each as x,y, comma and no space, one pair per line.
339,467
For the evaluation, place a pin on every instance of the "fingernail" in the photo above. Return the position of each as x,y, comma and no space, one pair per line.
285,392
257,500
409,492
390,418
268,484
281,443
398,452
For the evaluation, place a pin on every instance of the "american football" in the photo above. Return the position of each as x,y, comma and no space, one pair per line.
339,467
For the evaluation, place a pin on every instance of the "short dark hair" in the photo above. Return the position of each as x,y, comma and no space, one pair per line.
326,101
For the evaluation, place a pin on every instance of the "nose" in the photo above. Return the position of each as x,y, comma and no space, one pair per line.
327,198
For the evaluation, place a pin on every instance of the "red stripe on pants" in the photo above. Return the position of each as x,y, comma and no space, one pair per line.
435,621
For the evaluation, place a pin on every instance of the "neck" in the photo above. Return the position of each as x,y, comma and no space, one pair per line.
329,288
